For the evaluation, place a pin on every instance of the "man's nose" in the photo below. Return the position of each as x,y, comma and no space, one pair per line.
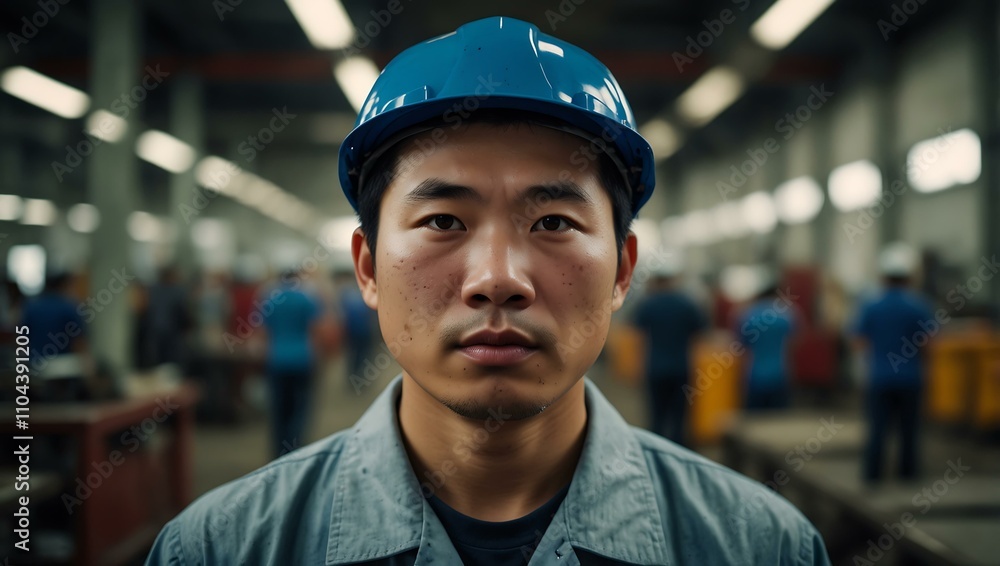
498,273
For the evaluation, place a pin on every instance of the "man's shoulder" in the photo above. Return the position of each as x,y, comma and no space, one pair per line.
717,502
254,510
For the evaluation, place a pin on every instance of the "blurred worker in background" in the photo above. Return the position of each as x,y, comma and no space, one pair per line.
291,316
359,322
58,343
169,319
892,327
670,322
765,329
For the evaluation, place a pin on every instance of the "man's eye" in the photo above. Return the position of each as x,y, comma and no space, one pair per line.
551,224
445,222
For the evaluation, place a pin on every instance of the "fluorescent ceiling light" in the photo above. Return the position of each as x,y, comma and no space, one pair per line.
83,217
356,76
216,173
855,185
758,212
663,138
10,207
165,151
211,233
38,212
952,159
26,266
48,94
785,20
325,22
254,192
712,93
144,227
798,200
106,126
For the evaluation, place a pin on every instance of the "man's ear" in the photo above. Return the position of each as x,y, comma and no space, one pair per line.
364,268
623,281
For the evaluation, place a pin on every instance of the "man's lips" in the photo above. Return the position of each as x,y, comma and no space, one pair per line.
497,355
497,348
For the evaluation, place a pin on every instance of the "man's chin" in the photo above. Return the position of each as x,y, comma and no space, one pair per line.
486,399
499,410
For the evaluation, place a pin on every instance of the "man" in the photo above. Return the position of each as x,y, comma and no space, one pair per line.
59,350
290,318
895,382
494,246
670,322
765,329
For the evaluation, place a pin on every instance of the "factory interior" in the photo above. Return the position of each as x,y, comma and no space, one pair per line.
164,165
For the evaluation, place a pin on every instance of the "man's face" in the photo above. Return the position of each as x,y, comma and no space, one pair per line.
496,267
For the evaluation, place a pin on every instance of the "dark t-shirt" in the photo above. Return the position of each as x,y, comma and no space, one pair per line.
508,543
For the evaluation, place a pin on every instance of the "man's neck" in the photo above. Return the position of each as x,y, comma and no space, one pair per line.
492,470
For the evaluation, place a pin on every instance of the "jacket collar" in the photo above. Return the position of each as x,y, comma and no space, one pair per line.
609,510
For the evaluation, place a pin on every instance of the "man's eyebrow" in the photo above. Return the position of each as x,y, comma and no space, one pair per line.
565,191
437,189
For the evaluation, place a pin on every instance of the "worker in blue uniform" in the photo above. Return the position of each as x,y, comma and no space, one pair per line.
670,322
766,330
496,171
291,314
893,328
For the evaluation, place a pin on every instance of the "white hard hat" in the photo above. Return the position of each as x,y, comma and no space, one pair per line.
898,259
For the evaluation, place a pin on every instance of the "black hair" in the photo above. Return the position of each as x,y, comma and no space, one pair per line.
381,174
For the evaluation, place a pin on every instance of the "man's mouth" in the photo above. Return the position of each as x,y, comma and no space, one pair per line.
497,347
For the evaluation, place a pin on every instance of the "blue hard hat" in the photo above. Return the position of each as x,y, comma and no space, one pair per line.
498,63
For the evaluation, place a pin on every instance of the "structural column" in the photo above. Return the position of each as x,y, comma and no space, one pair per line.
113,181
887,154
187,200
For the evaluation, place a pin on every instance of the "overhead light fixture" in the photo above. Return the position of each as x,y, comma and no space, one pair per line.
165,151
106,126
663,138
211,233
785,20
44,92
38,212
144,227
216,173
325,22
712,93
26,266
83,217
948,160
255,192
10,207
855,185
798,200
758,212
356,75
